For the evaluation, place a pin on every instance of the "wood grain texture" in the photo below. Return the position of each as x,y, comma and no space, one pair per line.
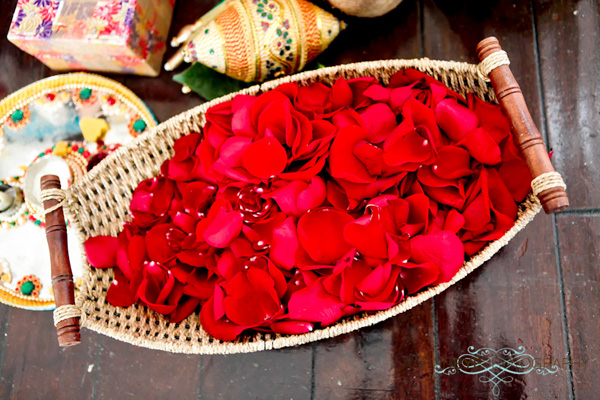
283,374
569,47
513,300
124,371
391,360
580,256
359,365
509,302
34,367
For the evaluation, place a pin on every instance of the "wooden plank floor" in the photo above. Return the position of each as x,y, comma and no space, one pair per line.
541,292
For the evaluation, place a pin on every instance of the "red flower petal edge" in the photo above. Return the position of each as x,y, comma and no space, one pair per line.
306,204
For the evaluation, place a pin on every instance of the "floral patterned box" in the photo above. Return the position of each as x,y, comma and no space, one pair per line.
124,36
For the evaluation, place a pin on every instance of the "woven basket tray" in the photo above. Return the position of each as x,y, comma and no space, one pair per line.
98,204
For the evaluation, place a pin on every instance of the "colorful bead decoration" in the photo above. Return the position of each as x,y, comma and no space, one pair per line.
29,286
18,118
254,40
137,126
85,97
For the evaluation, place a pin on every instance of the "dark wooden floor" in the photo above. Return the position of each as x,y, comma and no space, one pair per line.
541,292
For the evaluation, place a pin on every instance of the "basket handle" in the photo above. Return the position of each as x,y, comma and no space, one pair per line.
547,183
63,287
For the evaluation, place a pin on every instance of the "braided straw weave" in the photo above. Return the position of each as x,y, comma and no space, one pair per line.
98,204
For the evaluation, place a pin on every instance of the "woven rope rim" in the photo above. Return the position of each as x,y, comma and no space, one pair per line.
98,205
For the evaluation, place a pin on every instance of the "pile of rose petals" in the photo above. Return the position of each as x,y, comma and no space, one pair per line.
307,204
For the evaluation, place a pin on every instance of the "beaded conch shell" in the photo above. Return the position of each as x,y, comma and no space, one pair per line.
255,40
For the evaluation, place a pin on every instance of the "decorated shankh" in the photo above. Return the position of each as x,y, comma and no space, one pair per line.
255,40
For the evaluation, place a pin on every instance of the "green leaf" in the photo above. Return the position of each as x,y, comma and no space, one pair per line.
209,83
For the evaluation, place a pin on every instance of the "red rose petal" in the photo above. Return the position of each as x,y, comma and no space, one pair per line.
416,277
119,294
226,226
406,146
341,94
367,236
342,162
240,121
265,158
314,304
184,309
453,162
443,249
379,120
288,327
482,147
454,221
219,328
101,251
285,245
232,150
516,176
321,234
454,119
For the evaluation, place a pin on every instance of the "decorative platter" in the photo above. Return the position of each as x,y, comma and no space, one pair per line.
62,125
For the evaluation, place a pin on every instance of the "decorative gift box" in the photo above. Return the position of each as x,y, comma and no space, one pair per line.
123,36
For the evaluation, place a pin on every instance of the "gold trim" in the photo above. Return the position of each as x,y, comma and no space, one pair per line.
40,88
255,42
297,17
8,297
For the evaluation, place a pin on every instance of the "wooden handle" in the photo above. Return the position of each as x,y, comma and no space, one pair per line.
62,277
528,137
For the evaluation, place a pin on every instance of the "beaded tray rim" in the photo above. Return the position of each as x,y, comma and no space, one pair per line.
30,93
140,326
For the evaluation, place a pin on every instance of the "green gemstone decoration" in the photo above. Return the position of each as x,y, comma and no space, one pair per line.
139,125
211,51
80,150
27,288
38,223
206,31
17,116
13,223
41,154
85,94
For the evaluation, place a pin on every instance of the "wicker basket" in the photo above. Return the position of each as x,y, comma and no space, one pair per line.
98,204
